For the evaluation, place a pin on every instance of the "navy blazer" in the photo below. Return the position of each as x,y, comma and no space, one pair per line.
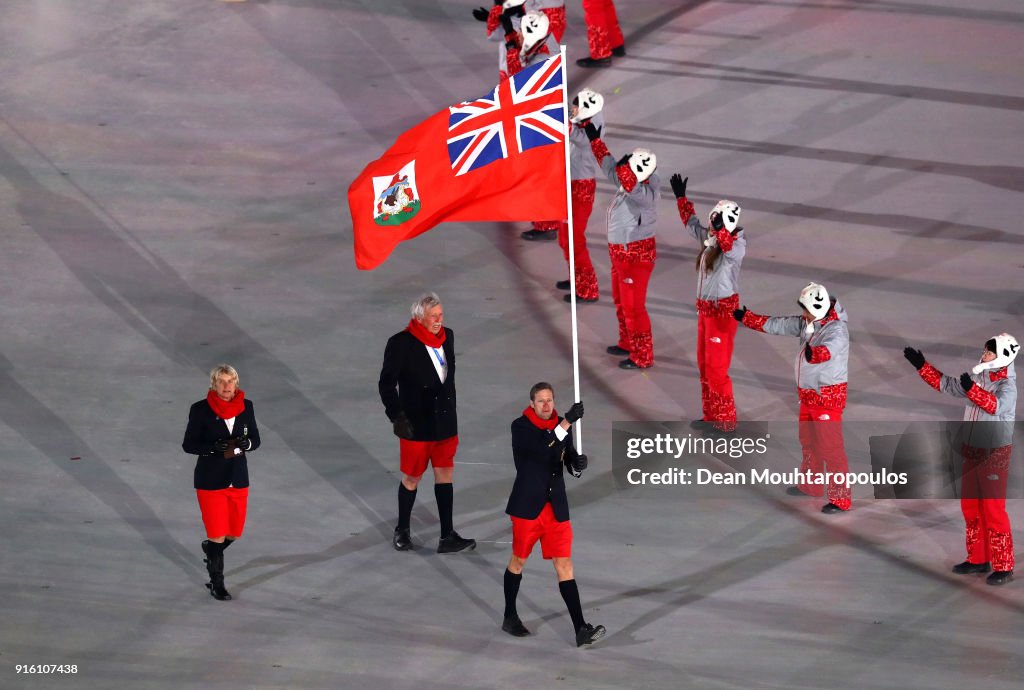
540,458
213,470
428,403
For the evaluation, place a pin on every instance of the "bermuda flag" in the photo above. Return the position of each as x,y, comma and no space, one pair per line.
496,158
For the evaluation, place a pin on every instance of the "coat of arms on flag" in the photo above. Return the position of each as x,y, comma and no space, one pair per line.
397,198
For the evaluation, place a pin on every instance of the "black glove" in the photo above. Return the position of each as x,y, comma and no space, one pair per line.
244,443
499,2
222,444
738,314
965,382
624,159
575,413
716,221
580,463
808,354
480,14
506,23
592,131
678,185
403,427
915,357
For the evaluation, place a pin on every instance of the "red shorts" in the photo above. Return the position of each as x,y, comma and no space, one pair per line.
555,537
416,454
223,511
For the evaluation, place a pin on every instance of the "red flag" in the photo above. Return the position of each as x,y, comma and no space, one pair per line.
496,158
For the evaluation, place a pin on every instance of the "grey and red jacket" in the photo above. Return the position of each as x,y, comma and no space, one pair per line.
822,380
634,209
495,33
582,163
991,405
724,279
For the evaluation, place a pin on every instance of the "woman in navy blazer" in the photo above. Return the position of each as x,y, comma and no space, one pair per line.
221,430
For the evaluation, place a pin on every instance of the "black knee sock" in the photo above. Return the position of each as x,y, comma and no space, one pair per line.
445,495
227,543
405,500
511,592
571,594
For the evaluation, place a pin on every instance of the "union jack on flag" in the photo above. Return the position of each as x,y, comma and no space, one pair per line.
525,109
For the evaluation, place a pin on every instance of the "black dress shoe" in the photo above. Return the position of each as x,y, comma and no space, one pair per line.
589,634
534,235
454,543
619,51
568,298
616,350
629,364
795,491
402,540
830,508
999,577
563,285
594,62
701,425
968,568
513,626
218,592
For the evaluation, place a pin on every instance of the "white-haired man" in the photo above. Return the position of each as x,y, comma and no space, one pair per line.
417,387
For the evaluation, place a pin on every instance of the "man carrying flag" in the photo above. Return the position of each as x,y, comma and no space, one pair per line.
469,162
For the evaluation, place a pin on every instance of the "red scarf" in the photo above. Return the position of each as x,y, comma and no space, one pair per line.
420,332
1003,373
226,409
546,424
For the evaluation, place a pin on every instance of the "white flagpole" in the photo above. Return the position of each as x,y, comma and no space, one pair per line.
572,254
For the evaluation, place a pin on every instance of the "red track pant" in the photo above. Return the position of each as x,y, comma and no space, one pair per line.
603,32
821,439
632,265
983,502
556,15
715,338
582,205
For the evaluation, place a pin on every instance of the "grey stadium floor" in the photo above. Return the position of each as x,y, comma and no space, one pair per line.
172,179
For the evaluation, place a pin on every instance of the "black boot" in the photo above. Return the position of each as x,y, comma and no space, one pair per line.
999,577
968,568
215,567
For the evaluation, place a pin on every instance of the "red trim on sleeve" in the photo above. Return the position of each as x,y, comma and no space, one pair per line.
984,399
514,65
600,149
494,19
820,354
931,376
685,207
754,321
626,177
725,239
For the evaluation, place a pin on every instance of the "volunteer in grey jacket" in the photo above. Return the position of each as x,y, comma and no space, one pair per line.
986,442
722,248
586,107
531,44
554,9
821,376
631,245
